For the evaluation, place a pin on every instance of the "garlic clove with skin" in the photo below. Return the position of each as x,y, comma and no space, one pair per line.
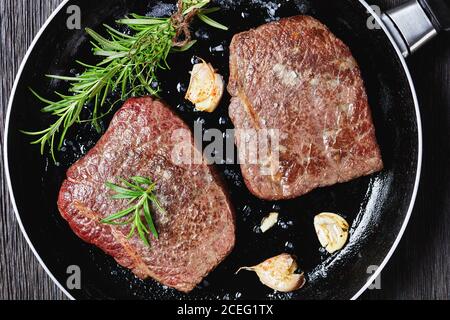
202,82
206,87
211,103
332,231
278,273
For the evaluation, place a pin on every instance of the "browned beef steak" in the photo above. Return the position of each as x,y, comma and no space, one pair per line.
198,230
295,76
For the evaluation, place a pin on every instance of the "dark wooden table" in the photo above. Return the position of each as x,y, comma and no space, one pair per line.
419,269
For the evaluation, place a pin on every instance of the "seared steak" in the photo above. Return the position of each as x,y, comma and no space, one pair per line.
295,76
198,230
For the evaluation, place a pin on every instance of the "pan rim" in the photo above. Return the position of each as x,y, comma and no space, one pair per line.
5,145
419,151
370,279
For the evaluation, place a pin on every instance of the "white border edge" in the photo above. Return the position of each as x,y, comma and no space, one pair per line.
5,146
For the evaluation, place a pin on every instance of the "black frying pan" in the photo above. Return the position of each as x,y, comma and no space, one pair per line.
378,207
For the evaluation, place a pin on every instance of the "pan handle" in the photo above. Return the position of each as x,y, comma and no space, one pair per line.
439,13
415,22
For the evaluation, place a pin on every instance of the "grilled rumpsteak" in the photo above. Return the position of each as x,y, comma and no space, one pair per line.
198,229
296,77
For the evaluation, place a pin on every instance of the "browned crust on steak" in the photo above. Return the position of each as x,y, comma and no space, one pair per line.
197,232
294,75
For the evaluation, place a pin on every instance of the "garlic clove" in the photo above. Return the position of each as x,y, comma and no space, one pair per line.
278,273
332,231
269,221
206,87
211,103
202,82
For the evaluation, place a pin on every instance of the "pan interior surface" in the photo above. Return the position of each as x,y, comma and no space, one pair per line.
375,206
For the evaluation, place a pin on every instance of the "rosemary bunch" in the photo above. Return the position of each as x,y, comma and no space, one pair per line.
129,65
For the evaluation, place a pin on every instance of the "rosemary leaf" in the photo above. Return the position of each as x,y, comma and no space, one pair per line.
211,22
139,190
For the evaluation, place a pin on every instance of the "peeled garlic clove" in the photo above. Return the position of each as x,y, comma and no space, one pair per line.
279,274
269,221
206,87
332,231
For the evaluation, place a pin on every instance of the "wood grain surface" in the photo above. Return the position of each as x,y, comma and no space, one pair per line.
420,267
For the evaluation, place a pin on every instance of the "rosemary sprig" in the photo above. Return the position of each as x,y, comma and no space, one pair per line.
139,192
129,66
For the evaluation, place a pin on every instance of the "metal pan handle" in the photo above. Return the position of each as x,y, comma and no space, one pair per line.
439,13
415,22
